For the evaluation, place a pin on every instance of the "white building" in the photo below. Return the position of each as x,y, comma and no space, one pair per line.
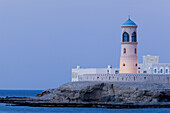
130,71
151,65
79,72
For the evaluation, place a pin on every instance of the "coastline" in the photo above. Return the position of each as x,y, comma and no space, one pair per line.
98,95
25,101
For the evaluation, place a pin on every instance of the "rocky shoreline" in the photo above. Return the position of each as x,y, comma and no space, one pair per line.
99,95
17,101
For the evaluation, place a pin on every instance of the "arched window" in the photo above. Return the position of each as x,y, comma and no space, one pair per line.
107,71
125,37
166,71
124,50
155,70
161,70
135,51
134,37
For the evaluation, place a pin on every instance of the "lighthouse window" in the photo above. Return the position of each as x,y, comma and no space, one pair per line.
136,65
135,51
123,64
125,37
134,37
124,51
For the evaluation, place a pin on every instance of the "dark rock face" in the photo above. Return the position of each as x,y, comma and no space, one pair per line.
164,96
77,92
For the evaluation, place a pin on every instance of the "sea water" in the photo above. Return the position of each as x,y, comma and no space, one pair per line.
19,93
30,93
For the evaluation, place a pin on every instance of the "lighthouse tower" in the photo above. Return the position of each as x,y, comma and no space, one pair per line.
129,57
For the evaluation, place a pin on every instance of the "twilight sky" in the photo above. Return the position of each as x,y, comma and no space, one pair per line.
42,40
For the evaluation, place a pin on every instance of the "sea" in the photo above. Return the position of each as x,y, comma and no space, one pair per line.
30,93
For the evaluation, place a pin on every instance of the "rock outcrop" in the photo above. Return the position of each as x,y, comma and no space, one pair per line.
77,92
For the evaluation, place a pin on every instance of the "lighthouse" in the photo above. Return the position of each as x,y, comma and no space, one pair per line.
129,57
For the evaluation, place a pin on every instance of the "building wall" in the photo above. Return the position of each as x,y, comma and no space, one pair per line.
160,68
152,78
78,72
143,69
148,59
147,68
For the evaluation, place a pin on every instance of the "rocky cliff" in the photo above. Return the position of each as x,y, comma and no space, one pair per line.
77,92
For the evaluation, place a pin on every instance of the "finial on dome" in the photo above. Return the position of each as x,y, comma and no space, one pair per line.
128,16
129,22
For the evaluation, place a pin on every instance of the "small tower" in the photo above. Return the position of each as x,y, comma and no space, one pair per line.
129,58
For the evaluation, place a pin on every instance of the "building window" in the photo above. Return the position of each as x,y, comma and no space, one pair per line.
134,37
161,70
166,71
136,65
107,71
123,64
125,37
116,72
144,71
155,70
135,51
124,50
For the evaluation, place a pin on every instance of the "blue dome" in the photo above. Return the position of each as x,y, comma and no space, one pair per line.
129,22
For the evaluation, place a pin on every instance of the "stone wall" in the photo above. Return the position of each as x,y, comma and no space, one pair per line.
150,78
